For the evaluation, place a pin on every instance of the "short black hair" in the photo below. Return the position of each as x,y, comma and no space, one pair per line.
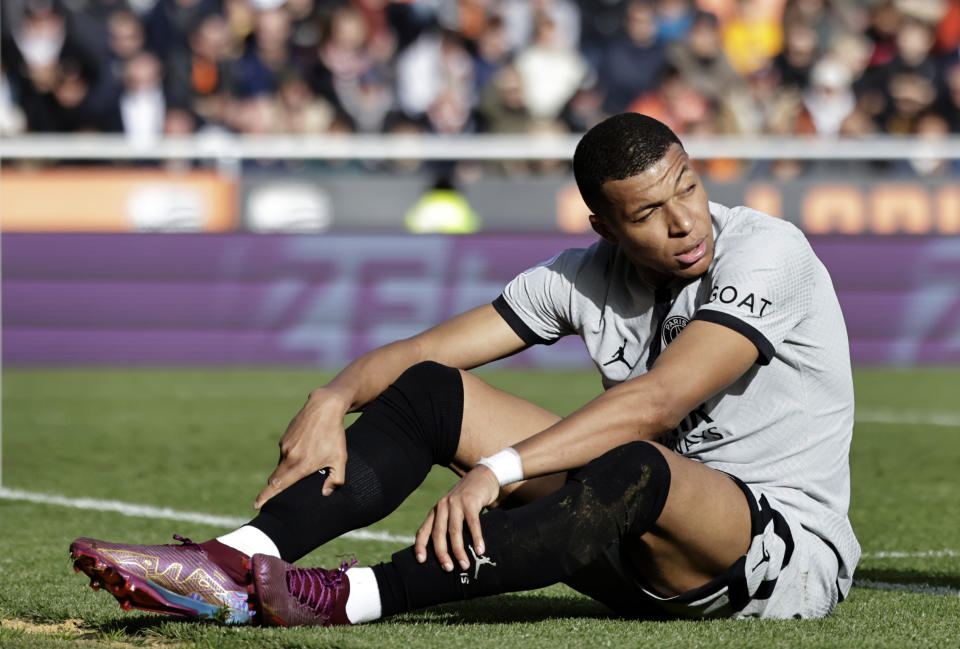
619,147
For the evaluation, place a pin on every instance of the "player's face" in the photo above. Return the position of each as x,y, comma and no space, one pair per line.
660,219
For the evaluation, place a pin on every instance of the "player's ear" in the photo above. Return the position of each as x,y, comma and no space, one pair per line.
600,226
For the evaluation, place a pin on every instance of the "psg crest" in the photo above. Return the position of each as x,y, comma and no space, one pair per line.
672,327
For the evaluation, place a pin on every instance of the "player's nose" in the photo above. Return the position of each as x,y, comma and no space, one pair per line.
681,221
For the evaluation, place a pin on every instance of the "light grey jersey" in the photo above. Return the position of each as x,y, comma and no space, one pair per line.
785,426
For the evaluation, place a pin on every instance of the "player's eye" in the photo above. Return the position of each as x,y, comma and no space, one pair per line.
643,217
690,188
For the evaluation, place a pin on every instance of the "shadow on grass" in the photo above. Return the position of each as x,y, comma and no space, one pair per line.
511,608
150,626
499,609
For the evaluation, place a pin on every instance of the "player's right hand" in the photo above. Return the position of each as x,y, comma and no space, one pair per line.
315,439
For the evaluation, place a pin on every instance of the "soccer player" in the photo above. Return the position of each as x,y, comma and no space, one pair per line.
710,479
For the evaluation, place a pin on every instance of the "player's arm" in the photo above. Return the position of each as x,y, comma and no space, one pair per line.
315,437
468,340
703,360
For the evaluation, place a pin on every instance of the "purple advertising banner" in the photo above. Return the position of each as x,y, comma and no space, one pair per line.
323,300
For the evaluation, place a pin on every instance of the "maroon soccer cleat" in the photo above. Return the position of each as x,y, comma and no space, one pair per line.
174,579
285,595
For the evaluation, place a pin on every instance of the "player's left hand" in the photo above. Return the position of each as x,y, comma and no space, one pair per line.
476,490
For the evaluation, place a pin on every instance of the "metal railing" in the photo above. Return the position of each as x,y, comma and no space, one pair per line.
225,147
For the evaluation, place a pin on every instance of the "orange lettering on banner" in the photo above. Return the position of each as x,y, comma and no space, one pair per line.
833,208
948,210
901,208
765,198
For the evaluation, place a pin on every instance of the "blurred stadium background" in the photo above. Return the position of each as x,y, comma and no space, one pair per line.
294,182
227,185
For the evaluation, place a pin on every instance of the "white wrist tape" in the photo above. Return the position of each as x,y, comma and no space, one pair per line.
506,465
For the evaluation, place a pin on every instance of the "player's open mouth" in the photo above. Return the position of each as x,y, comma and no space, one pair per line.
693,254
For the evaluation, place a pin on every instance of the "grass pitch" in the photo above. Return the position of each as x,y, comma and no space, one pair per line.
205,440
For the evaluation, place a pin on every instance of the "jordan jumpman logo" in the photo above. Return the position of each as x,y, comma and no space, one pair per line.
480,561
619,357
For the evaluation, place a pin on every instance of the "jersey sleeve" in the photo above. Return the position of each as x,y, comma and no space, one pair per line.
762,287
537,302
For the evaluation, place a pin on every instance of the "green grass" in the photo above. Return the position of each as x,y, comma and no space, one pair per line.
205,440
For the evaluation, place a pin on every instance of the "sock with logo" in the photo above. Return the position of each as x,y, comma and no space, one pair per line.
620,494
401,434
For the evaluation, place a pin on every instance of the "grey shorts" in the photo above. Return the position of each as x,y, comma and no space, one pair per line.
787,572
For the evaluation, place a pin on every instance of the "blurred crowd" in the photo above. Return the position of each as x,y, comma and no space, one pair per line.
153,67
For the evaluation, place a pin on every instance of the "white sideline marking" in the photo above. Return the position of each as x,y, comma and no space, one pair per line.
949,419
165,513
926,589
924,554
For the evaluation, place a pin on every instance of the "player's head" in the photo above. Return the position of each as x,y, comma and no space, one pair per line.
645,196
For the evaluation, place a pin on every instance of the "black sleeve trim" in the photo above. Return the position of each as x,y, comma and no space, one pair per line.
750,333
519,326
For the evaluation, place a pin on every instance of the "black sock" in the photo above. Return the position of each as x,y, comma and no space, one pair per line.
619,494
413,425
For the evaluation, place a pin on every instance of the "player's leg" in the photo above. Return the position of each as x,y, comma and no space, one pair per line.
629,496
705,523
493,420
432,415
413,425
704,528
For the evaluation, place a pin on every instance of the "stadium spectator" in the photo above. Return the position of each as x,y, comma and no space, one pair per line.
632,63
502,107
125,36
306,22
914,48
520,21
600,23
675,102
550,71
142,103
200,76
763,107
753,35
884,21
674,19
450,113
948,29
267,54
492,53
169,22
12,119
950,97
436,63
701,61
828,101
59,74
910,95
930,126
800,52
240,17
367,100
296,108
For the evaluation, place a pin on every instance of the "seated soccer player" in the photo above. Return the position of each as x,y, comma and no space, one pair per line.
710,479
